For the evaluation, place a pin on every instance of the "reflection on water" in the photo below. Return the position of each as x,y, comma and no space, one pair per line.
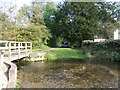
68,74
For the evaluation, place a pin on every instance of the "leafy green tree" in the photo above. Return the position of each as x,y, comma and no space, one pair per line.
30,14
49,10
79,21
7,28
32,33
28,26
76,22
34,29
108,19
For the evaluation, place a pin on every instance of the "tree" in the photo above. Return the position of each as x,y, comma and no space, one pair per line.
75,22
79,21
34,28
49,10
108,19
7,24
8,28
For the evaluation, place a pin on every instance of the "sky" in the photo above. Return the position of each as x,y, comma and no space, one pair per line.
20,3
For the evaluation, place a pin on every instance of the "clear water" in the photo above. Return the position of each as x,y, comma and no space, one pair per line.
69,73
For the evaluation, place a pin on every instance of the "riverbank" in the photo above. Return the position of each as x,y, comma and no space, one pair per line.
109,51
65,53
106,51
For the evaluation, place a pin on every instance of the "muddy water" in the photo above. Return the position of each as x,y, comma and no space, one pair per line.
68,74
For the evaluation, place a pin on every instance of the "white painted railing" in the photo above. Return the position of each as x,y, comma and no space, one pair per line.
12,50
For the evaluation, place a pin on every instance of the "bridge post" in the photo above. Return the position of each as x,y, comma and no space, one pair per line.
30,47
26,49
18,50
6,45
9,52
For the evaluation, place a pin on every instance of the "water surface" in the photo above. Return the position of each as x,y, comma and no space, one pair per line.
69,73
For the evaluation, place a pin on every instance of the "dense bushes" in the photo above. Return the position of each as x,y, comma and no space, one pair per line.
109,50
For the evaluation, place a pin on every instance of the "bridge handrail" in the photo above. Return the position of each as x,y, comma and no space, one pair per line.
13,42
6,43
10,46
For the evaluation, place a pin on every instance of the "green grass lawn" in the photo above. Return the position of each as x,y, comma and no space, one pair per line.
63,53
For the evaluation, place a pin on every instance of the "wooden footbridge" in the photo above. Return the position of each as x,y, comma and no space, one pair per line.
12,50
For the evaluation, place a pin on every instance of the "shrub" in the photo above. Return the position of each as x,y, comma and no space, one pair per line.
109,50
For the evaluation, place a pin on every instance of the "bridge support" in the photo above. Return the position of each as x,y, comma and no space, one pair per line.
25,48
9,52
1,58
18,50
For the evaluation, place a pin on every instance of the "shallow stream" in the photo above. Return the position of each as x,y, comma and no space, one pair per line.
68,73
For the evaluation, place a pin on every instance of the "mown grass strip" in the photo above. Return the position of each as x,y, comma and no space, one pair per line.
62,53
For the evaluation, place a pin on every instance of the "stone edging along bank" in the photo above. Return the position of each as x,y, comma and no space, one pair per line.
12,74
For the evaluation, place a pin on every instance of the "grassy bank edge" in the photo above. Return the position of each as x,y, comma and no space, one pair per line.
65,53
